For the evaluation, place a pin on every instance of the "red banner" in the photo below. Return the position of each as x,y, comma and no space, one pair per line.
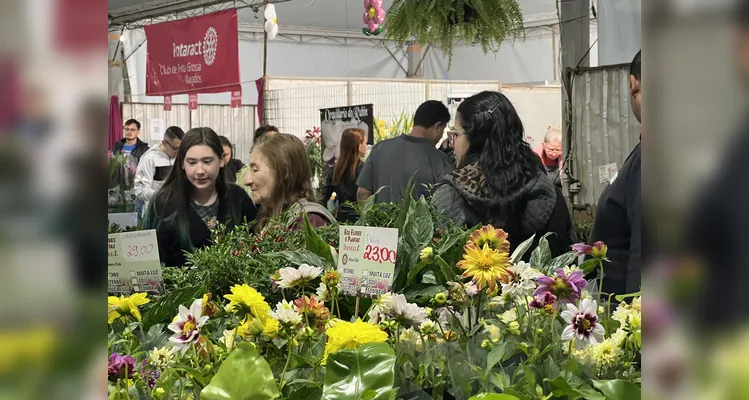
167,103
236,99
192,101
199,54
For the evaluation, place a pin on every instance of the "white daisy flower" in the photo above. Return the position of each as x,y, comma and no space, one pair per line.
322,293
407,313
382,305
286,314
186,326
522,280
583,326
291,277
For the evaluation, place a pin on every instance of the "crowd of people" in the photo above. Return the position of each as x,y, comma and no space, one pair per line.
488,174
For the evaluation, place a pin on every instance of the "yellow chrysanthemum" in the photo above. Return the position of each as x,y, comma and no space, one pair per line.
120,306
485,266
495,238
245,299
253,327
348,335
606,353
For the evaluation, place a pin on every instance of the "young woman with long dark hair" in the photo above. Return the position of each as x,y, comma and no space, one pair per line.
281,182
341,179
195,196
499,180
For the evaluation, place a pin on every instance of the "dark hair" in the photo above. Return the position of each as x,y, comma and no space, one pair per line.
741,16
287,158
226,142
176,191
431,112
262,131
635,69
496,143
174,132
133,121
349,156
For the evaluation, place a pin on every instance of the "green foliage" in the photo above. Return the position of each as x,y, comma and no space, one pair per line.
367,372
441,22
244,375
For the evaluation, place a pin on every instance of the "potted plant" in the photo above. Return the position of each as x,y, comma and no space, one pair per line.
441,22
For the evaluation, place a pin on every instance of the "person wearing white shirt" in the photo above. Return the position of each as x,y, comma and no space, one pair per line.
155,164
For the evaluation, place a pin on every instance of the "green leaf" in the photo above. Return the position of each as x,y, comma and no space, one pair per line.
299,257
416,234
621,297
442,270
561,388
306,393
406,204
618,389
588,266
315,244
493,396
520,251
414,272
244,375
530,375
422,293
495,356
369,369
165,307
541,255
561,261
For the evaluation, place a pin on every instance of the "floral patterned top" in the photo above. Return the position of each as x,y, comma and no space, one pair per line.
209,213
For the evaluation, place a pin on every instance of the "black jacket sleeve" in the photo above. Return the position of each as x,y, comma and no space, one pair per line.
328,188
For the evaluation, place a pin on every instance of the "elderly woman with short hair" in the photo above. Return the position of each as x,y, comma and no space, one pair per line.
550,152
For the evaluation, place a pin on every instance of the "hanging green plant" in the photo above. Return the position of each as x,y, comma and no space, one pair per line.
441,23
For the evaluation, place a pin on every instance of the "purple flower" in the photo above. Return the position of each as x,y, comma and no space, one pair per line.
566,288
544,302
120,367
149,375
597,250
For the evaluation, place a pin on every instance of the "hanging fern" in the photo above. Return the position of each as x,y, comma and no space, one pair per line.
441,23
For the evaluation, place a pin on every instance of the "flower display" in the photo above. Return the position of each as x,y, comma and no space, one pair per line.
374,16
350,335
187,327
161,357
566,288
122,306
291,277
286,314
409,314
544,301
597,250
583,324
486,267
521,280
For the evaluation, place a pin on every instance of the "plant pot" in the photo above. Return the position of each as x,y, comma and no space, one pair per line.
468,14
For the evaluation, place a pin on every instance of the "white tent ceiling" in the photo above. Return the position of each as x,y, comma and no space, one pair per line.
330,14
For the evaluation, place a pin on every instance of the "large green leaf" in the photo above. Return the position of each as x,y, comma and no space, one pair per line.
561,261
589,265
165,307
244,375
561,388
421,293
406,204
365,372
541,255
416,234
522,248
315,244
618,389
493,396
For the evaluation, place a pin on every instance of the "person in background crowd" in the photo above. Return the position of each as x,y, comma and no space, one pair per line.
618,219
131,144
194,198
233,165
550,152
155,164
392,162
281,181
341,179
499,180
261,134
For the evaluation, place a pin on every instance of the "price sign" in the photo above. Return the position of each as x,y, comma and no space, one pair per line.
133,263
366,259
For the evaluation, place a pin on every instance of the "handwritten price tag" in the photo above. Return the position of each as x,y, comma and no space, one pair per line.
366,259
139,246
379,254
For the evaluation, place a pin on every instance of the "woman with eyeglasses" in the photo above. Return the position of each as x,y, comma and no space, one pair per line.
499,180
551,155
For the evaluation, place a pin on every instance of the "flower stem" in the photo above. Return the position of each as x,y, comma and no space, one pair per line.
600,281
288,361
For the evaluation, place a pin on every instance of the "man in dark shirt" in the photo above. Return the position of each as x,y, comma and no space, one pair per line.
619,215
392,162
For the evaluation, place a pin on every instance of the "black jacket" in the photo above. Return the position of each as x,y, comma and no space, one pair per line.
345,191
171,250
140,148
540,203
618,224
